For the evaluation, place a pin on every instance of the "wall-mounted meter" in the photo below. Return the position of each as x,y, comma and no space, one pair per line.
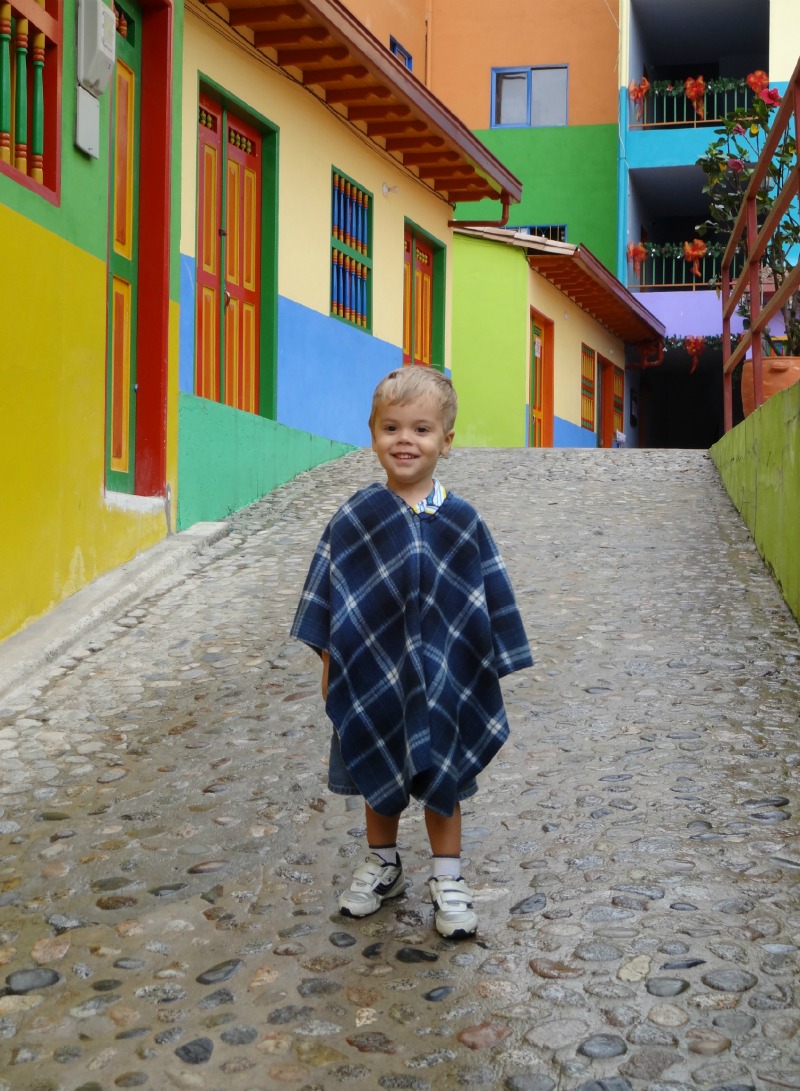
97,29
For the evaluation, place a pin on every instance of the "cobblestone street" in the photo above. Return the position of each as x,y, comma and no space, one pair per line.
170,855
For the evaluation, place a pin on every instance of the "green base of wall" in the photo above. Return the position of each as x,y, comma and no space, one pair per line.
228,459
759,463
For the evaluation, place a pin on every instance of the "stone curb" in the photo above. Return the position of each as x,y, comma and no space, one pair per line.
51,636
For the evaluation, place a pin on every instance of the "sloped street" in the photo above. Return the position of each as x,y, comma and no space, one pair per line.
170,855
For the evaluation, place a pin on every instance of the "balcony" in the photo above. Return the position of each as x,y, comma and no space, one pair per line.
685,103
670,267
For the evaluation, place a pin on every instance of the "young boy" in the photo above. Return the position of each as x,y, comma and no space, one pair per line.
408,603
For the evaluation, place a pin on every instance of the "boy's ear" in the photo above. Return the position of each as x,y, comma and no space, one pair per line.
448,442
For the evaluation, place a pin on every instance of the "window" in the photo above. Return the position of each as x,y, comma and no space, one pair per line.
555,232
30,79
351,251
587,387
529,96
400,52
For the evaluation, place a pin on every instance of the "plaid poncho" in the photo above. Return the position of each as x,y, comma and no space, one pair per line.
419,618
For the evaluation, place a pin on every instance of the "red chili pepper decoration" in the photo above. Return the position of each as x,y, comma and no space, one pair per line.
693,252
637,253
694,346
696,92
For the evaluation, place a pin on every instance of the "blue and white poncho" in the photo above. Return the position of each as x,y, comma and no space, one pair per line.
420,621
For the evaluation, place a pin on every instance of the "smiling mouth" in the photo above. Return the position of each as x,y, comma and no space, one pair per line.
404,457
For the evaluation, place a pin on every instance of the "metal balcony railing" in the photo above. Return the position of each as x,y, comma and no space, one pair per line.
665,267
668,104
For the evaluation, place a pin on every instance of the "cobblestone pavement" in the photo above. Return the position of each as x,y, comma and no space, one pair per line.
170,856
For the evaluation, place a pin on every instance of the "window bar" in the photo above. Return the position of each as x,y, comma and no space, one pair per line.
336,267
337,234
361,284
5,83
348,214
37,112
359,231
21,103
348,290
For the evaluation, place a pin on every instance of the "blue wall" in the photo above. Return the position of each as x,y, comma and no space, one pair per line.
566,434
327,372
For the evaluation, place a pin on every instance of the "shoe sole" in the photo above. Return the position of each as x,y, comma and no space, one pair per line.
458,933
384,898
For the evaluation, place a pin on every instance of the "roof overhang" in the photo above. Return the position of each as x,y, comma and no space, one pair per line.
324,47
577,273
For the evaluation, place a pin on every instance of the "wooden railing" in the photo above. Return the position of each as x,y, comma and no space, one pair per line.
30,38
756,241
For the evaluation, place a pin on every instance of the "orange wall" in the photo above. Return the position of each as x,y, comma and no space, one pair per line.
400,19
467,38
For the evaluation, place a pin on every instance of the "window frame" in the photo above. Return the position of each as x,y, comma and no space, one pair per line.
400,51
47,20
528,71
364,258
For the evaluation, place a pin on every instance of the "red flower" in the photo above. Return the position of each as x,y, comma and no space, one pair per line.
772,96
738,129
758,80
736,165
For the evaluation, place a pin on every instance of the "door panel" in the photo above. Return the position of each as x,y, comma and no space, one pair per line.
123,256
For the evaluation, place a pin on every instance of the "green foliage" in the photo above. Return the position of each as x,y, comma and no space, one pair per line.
728,164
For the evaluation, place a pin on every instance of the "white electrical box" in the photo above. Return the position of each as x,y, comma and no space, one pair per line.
97,30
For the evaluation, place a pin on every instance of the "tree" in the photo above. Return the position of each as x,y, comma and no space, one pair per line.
728,164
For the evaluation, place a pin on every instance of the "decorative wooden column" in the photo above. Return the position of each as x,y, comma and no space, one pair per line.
5,83
37,112
21,100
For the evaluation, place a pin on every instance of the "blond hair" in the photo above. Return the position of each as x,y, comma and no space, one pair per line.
408,384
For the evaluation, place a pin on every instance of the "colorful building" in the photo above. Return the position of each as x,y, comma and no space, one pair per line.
89,283
211,251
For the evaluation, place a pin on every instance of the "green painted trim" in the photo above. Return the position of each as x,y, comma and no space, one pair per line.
268,341
759,463
228,459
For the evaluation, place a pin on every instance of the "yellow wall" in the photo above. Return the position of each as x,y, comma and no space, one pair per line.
572,328
313,139
59,529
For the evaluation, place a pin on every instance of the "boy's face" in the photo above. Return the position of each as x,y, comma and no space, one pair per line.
408,440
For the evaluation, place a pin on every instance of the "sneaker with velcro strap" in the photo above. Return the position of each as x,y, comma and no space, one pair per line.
373,883
452,903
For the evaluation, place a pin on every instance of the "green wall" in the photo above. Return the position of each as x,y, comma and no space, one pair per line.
490,301
759,462
568,175
227,459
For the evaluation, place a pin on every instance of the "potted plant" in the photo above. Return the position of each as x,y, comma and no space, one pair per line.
728,163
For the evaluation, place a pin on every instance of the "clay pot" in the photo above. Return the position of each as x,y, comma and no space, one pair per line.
778,373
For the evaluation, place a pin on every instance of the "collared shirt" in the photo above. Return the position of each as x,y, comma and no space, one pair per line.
432,502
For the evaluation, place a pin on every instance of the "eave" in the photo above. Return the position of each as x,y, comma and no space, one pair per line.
577,273
321,45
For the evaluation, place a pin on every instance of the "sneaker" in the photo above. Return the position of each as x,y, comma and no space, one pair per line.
452,902
373,882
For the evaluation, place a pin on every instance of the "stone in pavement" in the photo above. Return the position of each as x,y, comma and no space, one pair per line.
170,855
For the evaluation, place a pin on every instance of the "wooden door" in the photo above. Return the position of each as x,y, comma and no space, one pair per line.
612,402
228,258
123,252
417,301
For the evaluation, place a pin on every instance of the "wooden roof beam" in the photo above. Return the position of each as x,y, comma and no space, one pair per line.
420,159
394,128
287,36
333,75
439,170
259,16
356,94
296,58
371,113
410,143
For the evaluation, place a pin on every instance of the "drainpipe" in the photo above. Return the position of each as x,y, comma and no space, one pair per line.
505,198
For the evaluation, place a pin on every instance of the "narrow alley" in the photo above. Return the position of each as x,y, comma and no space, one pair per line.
170,855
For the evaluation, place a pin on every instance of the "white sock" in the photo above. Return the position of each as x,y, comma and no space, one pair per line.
447,866
387,853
